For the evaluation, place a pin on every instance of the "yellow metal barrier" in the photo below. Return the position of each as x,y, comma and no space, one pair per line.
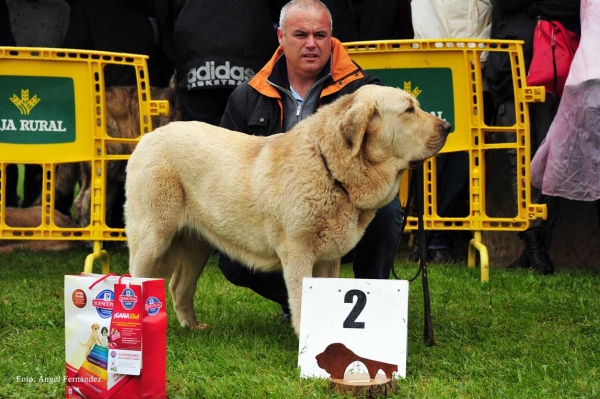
52,111
446,78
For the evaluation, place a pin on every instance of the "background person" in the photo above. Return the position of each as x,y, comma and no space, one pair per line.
309,69
444,19
567,162
215,46
123,26
516,20
360,20
12,172
36,23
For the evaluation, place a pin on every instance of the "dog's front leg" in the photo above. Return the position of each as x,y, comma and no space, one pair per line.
293,275
327,269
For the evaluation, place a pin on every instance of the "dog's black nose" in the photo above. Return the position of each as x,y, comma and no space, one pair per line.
446,127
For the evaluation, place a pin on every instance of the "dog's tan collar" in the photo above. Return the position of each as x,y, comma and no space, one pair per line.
336,182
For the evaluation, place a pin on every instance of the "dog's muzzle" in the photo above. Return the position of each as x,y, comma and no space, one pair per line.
443,130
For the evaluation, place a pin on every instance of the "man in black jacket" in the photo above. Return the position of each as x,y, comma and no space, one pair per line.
308,70
215,46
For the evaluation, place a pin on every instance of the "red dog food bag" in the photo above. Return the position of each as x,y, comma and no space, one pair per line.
115,337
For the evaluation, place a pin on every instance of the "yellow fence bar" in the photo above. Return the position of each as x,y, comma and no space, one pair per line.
446,77
53,111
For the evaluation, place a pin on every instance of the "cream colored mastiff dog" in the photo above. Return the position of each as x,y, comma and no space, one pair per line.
294,202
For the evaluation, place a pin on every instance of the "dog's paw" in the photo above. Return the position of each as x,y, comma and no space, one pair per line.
197,326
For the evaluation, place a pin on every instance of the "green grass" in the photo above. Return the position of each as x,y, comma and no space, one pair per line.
519,336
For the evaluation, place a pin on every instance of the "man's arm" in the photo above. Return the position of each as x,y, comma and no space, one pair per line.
232,118
370,79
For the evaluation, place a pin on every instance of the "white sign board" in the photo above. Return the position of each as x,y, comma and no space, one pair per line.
369,317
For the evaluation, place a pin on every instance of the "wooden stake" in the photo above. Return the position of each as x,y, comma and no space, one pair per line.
361,386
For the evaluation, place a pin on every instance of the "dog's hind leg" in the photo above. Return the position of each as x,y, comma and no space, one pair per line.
153,212
148,242
160,251
188,254
146,257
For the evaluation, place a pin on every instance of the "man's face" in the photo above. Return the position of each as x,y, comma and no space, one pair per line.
306,41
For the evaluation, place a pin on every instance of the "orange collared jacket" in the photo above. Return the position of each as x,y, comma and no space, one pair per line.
256,107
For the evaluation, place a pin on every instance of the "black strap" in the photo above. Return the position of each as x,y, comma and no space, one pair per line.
555,31
428,337
416,187
415,184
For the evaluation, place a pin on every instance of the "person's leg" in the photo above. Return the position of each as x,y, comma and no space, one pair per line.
537,238
506,117
268,285
374,253
10,183
32,184
542,116
440,247
452,200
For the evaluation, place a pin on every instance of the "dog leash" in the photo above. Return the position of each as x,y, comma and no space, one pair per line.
428,336
416,186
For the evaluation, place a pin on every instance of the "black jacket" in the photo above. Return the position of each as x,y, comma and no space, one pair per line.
6,36
378,20
255,107
217,43
120,26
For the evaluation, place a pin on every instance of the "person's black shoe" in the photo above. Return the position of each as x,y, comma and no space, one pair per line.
286,318
539,260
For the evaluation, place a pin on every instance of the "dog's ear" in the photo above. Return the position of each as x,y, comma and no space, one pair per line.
355,122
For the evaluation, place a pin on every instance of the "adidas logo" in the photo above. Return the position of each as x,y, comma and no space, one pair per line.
218,75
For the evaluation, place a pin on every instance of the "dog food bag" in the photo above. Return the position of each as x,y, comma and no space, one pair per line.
115,337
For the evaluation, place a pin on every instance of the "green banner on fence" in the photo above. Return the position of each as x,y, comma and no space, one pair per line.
431,86
37,110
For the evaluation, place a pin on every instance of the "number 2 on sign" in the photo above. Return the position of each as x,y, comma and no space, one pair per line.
361,302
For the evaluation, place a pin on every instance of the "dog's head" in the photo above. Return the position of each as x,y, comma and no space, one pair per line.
379,132
383,123
95,327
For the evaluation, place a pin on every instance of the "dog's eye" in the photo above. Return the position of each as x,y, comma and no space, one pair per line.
410,110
